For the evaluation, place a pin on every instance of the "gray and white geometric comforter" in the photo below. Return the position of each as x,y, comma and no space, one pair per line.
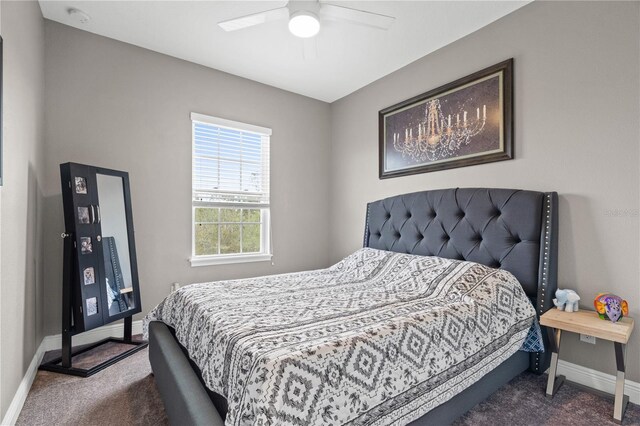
379,338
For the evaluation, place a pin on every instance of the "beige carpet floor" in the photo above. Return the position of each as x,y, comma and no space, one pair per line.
126,394
122,394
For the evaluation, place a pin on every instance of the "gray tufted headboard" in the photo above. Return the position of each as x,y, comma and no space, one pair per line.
503,228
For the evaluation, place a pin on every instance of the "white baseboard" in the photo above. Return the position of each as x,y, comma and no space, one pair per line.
50,343
11,416
597,380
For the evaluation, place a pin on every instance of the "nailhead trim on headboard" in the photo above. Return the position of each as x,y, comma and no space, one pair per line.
365,243
545,257
543,301
545,264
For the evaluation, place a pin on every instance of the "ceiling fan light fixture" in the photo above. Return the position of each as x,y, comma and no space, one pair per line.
304,24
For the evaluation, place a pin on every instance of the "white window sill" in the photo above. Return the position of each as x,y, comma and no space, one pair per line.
226,259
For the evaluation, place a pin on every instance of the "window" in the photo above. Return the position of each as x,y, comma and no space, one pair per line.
230,194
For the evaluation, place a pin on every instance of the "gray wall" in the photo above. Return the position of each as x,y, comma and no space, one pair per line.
118,106
576,132
21,194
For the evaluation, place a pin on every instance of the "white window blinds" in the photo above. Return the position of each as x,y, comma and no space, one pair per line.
230,163
230,192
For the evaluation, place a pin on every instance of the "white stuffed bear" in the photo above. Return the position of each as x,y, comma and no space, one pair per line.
567,300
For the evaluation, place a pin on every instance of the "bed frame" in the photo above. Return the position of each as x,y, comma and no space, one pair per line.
505,228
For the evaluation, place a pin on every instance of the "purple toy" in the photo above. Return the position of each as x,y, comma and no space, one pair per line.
609,306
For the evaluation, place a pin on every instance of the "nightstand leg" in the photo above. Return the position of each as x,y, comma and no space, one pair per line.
553,382
621,400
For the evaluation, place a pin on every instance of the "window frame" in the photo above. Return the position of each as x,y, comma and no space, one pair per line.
265,253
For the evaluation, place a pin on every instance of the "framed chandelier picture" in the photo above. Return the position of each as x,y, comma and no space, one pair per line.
466,122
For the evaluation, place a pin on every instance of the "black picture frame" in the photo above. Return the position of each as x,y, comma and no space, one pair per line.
442,143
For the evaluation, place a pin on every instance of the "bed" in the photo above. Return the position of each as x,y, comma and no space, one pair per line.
513,231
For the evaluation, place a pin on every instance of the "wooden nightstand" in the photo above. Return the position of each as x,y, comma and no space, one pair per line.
588,322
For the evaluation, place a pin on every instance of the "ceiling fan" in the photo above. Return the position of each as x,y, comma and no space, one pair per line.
305,16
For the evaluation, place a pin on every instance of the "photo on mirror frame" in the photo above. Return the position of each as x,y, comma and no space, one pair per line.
83,215
85,245
81,185
92,306
89,276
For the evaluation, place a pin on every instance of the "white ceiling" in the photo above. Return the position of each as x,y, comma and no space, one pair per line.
348,56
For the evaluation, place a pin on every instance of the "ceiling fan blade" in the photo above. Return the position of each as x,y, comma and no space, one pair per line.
370,19
254,19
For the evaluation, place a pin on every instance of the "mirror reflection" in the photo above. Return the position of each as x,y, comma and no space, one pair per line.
115,244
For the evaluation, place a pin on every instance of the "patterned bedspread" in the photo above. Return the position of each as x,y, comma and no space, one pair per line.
379,338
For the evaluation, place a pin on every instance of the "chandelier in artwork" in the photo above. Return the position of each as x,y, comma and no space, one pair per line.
438,136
